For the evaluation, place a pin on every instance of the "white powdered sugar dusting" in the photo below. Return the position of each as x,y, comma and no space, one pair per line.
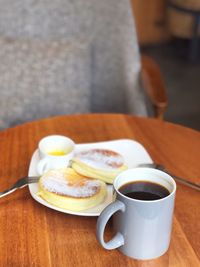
101,158
57,182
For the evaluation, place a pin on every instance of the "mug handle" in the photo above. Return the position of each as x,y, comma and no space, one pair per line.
43,166
118,239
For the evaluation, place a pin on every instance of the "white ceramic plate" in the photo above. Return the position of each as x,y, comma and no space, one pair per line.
133,152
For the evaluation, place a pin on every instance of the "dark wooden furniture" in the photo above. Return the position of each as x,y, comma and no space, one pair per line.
189,23
154,86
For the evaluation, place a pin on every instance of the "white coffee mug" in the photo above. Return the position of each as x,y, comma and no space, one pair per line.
55,151
143,227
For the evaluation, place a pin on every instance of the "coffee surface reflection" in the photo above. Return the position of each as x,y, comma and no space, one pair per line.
144,190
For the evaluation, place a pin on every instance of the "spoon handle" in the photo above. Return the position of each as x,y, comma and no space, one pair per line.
186,182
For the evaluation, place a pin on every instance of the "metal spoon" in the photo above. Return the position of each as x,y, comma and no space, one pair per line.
20,184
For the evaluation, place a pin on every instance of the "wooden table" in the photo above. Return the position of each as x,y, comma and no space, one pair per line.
33,235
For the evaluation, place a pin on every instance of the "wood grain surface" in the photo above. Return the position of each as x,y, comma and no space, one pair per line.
34,235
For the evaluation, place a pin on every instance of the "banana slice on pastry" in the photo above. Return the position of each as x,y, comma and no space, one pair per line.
66,189
100,164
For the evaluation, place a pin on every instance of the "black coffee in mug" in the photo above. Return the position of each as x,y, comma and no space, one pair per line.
144,190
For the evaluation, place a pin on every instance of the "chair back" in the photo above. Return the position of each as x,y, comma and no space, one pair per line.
63,57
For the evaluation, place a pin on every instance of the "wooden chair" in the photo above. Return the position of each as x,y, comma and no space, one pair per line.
64,57
154,86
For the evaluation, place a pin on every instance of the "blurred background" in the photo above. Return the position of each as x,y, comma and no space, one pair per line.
169,32
71,52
